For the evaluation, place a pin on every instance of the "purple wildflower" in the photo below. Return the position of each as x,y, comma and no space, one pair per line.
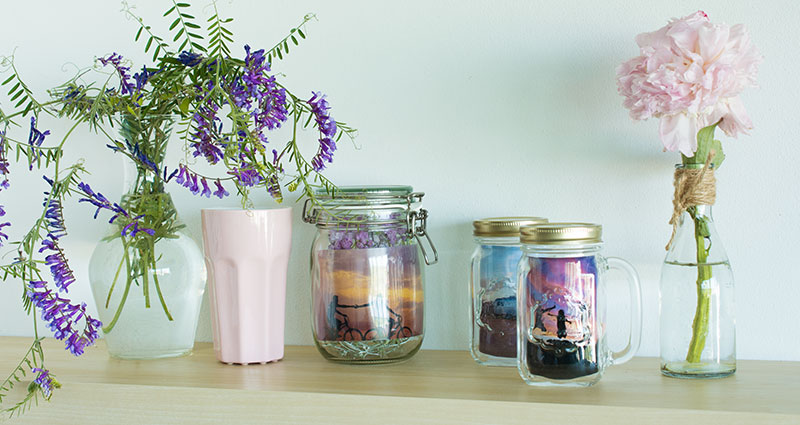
3,162
206,190
3,235
190,59
62,317
245,175
59,268
220,192
54,213
327,129
258,93
101,202
43,380
141,78
116,61
132,228
137,153
206,131
35,139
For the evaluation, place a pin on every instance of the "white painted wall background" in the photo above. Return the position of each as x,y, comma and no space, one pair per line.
491,108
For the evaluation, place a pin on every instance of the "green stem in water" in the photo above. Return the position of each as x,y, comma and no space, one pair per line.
158,287
107,328
114,283
701,315
144,262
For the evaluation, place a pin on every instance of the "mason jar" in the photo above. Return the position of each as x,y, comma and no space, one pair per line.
367,276
562,305
493,289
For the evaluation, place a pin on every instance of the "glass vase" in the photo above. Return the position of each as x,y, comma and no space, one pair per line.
698,338
148,287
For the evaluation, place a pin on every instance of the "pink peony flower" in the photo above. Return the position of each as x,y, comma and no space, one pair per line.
689,75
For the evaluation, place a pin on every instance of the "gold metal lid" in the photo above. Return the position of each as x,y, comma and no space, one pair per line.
561,233
504,226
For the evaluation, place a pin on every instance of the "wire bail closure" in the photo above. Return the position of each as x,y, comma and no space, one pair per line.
416,220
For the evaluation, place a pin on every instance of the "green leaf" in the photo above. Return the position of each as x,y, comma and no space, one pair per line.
174,24
192,25
8,80
187,16
147,46
705,144
184,5
299,31
719,155
169,11
185,105
294,40
138,34
178,35
13,89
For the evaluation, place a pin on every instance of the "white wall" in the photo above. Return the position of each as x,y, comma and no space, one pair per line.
491,108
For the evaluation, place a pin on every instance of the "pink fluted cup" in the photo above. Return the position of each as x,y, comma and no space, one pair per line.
247,256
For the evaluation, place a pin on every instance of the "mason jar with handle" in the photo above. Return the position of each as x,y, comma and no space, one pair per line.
562,305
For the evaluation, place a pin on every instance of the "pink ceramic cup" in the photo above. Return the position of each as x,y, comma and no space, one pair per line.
247,256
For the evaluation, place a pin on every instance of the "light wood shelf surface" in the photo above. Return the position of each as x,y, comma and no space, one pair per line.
432,387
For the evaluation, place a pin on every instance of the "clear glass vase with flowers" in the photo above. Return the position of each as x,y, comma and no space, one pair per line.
689,75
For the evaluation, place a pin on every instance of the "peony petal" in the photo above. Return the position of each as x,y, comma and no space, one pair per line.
711,41
679,133
734,117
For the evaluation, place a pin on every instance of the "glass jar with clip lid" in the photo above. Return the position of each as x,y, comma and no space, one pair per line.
367,280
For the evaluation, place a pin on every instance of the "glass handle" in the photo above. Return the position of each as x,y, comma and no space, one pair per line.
635,336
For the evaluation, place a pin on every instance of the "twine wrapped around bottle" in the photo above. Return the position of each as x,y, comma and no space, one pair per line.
693,186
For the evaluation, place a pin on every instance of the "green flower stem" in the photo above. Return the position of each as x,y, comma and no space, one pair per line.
129,279
158,287
144,260
114,283
700,322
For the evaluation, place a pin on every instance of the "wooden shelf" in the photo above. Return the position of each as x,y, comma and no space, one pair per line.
433,387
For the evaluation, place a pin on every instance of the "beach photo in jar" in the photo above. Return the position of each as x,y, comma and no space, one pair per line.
370,300
561,338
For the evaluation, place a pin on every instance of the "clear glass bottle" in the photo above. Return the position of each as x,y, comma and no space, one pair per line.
698,330
148,288
367,279
562,302
493,289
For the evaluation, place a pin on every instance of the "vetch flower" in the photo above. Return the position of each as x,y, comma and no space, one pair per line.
63,317
206,190
59,268
126,87
3,235
327,129
35,139
3,162
220,192
258,93
689,74
141,78
132,228
245,175
190,59
101,202
43,380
